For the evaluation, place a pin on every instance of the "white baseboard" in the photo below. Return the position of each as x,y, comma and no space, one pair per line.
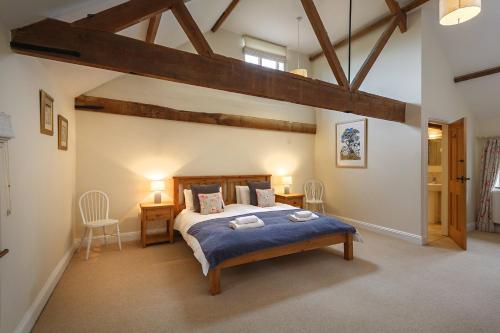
30,317
125,236
416,239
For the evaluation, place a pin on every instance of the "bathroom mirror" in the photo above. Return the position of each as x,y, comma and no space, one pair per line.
435,152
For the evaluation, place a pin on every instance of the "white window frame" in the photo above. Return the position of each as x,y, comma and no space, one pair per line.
264,50
261,57
497,182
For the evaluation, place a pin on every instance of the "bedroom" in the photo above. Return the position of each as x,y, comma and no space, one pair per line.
162,287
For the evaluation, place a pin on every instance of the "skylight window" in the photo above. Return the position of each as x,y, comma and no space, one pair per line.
265,54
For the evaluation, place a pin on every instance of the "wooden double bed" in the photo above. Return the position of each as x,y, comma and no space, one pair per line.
228,184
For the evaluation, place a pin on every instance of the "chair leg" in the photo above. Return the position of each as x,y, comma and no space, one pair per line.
323,208
104,235
119,238
82,239
89,243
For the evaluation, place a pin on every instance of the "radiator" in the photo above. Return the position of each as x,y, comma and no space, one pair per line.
496,206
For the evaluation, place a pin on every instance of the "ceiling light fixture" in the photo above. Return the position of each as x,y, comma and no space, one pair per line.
298,70
452,12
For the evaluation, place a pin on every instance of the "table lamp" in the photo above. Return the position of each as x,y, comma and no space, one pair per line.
287,181
157,186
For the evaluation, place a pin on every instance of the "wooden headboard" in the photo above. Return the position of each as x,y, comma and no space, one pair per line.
228,184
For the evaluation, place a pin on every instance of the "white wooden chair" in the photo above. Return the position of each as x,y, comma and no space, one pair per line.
314,191
94,207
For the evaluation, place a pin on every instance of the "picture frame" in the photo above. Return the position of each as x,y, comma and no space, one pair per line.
46,113
352,144
62,133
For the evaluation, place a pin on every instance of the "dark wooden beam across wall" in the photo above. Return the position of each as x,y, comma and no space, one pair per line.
191,29
377,24
125,15
113,106
154,24
377,49
324,41
225,15
476,75
396,10
61,41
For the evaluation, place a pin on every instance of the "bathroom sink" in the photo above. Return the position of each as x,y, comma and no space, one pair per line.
434,187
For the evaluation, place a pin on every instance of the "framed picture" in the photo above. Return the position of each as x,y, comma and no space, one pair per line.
352,144
46,113
62,133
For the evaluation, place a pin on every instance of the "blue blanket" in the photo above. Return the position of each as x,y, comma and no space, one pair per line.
219,242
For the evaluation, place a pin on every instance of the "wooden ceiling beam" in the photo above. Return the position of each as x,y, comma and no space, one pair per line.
224,15
118,107
154,24
125,15
377,49
191,29
60,41
476,75
396,10
324,41
380,22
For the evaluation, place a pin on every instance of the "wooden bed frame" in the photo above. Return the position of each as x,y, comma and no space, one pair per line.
228,184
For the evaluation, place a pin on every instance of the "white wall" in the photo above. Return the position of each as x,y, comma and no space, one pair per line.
39,231
388,192
120,154
441,99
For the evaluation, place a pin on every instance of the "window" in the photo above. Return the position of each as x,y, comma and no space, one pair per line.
265,54
497,183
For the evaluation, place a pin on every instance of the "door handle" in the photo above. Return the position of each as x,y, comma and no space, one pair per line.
4,253
463,179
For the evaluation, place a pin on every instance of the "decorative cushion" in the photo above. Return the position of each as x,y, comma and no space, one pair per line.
265,198
205,189
257,185
188,199
210,203
243,195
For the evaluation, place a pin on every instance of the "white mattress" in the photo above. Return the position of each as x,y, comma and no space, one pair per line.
187,218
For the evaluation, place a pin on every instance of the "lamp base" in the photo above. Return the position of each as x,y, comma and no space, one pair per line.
157,197
286,189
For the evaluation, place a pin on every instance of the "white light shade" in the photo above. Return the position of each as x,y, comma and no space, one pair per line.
453,12
287,180
157,185
300,71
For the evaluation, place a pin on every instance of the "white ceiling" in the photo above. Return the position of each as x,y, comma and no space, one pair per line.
471,46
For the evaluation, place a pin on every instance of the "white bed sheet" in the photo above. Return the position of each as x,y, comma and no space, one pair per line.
187,218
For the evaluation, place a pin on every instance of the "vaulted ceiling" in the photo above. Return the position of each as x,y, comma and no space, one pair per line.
471,46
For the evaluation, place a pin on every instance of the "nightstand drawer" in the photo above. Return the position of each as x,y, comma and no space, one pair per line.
158,214
295,203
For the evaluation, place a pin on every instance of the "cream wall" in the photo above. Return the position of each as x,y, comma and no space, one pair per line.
120,154
442,101
39,231
388,192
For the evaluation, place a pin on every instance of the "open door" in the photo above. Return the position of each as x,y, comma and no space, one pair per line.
457,184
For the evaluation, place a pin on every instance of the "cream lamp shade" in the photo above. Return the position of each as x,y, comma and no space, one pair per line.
452,12
300,71
287,181
157,186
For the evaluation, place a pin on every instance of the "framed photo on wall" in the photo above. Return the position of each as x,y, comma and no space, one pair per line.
352,144
62,133
46,113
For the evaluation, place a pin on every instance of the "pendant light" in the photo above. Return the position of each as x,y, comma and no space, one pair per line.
452,12
298,70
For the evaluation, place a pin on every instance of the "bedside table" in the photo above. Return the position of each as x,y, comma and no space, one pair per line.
154,212
292,199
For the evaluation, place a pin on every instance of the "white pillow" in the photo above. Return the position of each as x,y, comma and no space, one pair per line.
243,195
188,199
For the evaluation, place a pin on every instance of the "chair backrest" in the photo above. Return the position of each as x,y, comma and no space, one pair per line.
94,206
313,190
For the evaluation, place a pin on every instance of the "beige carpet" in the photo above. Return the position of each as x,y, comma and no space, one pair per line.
391,286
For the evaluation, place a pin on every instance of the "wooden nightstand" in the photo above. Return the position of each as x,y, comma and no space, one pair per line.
154,212
292,199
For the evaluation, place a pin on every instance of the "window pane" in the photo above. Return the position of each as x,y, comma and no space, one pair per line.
251,59
269,63
281,66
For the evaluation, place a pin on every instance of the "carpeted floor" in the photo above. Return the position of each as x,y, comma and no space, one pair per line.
391,286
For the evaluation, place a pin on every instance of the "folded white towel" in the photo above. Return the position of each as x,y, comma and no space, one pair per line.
246,219
303,214
253,225
294,218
